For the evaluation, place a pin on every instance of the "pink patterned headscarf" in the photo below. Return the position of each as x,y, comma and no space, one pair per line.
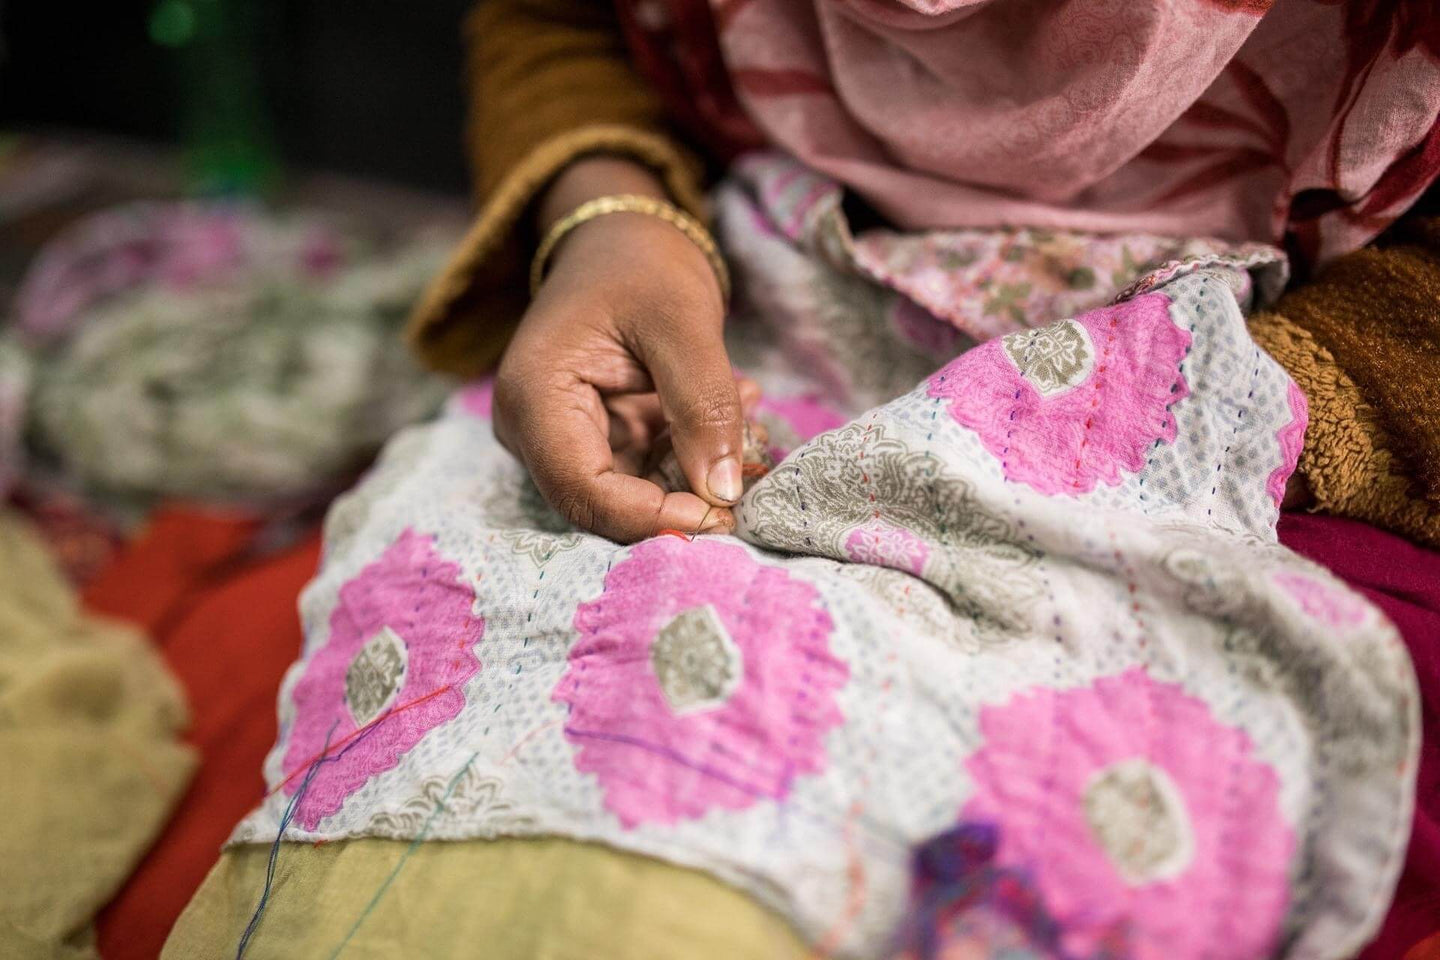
1312,121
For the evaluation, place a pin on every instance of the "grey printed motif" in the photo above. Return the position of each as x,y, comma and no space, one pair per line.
1215,576
375,676
1139,820
1207,584
540,548
1053,359
921,607
528,525
1327,681
513,500
697,664
841,480
476,800
1232,581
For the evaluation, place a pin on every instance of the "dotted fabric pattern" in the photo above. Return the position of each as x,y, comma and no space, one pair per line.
902,638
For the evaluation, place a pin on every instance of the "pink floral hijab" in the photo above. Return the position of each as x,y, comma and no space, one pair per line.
1307,121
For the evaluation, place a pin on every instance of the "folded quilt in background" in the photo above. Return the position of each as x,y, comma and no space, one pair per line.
213,352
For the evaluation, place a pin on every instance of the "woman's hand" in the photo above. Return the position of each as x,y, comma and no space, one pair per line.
622,342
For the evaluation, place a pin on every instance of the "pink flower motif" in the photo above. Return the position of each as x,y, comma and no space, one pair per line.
1291,438
1134,809
701,679
796,420
477,398
402,645
1076,403
1329,605
880,544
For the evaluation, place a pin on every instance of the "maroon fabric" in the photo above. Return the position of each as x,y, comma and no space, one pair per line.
1404,581
674,46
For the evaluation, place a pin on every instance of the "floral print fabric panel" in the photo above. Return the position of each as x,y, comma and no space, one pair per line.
1023,594
402,642
986,283
1076,403
1140,788
700,679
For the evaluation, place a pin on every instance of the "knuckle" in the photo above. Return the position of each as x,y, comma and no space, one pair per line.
713,406
577,506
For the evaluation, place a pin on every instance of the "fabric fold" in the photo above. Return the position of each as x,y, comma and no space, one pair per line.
89,728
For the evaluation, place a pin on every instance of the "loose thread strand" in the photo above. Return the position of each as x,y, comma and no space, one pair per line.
285,819
414,845
324,757
346,741
672,532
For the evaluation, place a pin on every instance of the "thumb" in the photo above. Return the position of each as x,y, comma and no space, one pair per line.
701,401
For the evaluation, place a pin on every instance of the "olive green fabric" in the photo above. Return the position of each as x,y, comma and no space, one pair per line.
89,720
506,899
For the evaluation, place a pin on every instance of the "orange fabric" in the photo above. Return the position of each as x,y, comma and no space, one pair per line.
1427,949
225,620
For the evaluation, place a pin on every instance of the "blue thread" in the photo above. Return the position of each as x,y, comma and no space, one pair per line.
290,815
285,819
414,845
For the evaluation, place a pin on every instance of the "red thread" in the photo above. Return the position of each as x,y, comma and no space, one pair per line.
855,900
355,733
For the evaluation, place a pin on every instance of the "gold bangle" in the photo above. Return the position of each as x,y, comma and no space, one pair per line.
630,203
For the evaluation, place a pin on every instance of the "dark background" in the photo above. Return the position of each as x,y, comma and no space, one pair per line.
367,87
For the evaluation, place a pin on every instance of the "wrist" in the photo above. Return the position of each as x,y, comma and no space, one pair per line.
658,249
590,177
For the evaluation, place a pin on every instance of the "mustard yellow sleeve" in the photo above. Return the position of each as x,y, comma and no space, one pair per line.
1362,340
1349,459
549,81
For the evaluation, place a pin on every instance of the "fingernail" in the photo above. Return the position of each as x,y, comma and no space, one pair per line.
724,480
723,522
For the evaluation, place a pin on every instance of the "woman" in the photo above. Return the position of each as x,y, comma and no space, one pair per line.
556,107
1032,605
